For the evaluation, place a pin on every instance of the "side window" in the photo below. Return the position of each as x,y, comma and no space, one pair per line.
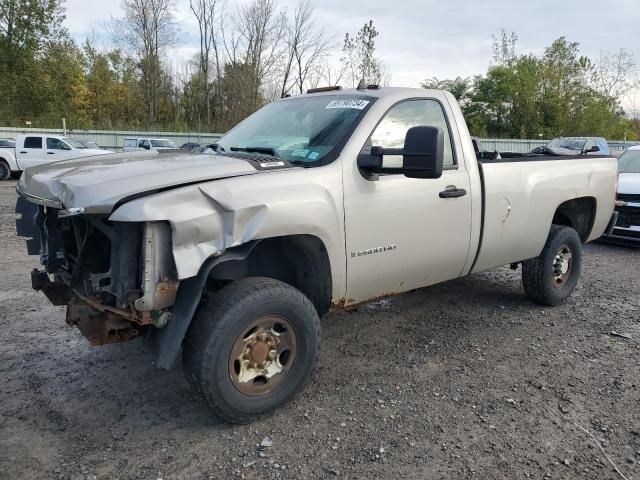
33,142
589,144
391,131
144,144
55,144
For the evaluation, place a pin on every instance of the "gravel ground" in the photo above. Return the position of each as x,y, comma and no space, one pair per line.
463,380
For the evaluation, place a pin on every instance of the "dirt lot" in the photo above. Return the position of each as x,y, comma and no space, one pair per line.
463,380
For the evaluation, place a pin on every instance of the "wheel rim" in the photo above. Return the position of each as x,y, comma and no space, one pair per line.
262,355
562,264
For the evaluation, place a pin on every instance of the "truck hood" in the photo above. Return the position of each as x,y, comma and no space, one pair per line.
629,183
96,184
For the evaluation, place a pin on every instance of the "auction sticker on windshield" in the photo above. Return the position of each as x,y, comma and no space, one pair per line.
348,103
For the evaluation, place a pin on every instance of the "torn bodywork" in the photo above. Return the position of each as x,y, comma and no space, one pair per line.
116,278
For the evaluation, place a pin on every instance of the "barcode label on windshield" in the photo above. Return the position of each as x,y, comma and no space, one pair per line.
271,164
348,103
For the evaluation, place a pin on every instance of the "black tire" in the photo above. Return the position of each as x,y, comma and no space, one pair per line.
221,325
544,278
5,172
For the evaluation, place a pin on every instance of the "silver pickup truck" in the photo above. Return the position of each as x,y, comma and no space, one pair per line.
320,201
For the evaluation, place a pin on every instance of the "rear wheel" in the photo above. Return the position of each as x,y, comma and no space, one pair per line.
251,348
550,278
5,172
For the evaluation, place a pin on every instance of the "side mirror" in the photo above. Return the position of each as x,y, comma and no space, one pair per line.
423,153
146,146
595,148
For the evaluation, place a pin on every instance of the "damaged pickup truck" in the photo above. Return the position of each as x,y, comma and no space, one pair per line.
324,200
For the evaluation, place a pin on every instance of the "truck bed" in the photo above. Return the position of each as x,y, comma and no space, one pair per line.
520,196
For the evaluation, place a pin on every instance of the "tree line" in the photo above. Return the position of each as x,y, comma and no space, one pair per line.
248,55
252,53
560,93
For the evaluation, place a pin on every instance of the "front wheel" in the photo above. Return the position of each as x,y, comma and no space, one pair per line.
550,278
5,172
251,348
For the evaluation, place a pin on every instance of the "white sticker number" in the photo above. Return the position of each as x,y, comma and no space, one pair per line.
349,103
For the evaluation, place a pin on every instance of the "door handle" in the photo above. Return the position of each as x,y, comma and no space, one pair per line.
51,153
24,152
453,192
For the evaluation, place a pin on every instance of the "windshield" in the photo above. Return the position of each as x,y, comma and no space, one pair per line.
629,162
307,130
568,143
163,144
91,145
74,143
7,142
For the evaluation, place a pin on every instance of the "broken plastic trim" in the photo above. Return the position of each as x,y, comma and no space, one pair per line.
47,202
70,212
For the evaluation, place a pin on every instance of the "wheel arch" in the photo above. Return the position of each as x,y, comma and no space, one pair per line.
301,261
267,258
577,213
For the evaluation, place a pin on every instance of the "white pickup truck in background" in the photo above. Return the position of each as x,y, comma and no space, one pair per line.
132,144
35,149
323,200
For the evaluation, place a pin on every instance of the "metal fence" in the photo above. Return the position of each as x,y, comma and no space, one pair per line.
114,140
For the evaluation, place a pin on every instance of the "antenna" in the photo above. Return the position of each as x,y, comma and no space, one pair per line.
361,85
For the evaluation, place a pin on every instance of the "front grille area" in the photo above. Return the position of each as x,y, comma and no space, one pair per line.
626,233
629,197
85,253
628,216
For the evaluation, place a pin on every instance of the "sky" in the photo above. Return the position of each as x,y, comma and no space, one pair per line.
420,39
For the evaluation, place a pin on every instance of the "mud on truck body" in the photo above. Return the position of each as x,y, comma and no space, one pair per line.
320,201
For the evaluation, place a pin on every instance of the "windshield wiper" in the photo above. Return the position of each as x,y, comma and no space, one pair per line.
268,150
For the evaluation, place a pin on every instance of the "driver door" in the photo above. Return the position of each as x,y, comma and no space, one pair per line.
57,150
400,233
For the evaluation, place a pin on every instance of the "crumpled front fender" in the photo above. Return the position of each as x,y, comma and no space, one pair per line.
208,218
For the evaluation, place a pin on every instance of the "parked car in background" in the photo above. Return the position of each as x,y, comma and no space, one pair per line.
90,144
132,144
561,146
190,146
570,146
627,226
35,149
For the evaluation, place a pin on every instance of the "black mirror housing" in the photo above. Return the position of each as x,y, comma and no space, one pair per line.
423,153
595,148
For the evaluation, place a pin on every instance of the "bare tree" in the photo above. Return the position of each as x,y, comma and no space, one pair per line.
262,30
147,29
330,73
615,74
307,47
208,15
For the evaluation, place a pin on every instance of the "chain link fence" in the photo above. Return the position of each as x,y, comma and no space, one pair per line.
114,139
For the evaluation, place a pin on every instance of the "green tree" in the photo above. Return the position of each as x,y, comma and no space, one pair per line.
27,27
459,87
359,57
